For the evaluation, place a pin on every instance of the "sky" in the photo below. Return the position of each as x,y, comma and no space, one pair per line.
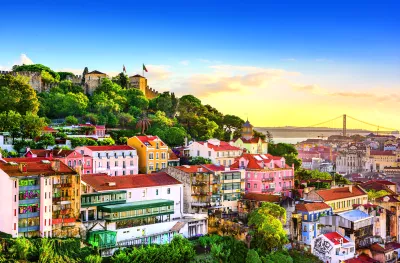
278,63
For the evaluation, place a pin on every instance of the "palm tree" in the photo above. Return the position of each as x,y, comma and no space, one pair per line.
143,124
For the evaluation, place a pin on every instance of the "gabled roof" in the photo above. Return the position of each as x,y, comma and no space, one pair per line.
340,193
385,248
335,237
95,72
363,258
390,198
137,75
259,161
310,207
110,148
103,182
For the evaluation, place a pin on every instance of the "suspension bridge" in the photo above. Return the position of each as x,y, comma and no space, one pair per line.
344,125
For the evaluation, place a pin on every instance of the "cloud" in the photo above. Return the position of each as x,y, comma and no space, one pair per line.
231,78
158,72
208,61
306,88
184,62
24,59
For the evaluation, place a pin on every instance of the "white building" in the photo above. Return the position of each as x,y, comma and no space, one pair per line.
219,152
113,160
144,208
333,247
353,158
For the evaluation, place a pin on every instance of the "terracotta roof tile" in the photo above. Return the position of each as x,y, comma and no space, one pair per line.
149,138
262,197
100,182
223,146
363,258
309,207
110,148
340,193
33,168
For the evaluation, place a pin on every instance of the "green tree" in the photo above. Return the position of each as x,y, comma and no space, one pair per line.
85,71
106,141
46,140
11,122
288,151
125,119
143,124
93,259
257,134
32,125
17,95
199,160
277,256
232,124
20,249
122,80
71,120
372,194
267,223
65,75
253,257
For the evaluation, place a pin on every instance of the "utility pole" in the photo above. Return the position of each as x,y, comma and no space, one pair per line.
344,125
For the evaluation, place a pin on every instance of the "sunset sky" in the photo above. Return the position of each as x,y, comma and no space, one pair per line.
276,62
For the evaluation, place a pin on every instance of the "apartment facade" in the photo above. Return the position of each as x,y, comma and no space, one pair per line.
266,174
137,208
152,152
117,160
219,152
40,198
332,247
207,187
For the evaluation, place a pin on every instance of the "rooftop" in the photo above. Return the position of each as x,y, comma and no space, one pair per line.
110,148
149,140
363,258
341,192
95,72
223,146
354,215
309,207
335,237
385,248
103,182
17,168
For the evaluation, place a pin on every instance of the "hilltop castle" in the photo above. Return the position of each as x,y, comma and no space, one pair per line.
91,81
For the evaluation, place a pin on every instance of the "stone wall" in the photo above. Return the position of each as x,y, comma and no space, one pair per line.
35,80
150,93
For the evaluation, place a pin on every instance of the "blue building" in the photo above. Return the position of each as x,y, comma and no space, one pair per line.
310,214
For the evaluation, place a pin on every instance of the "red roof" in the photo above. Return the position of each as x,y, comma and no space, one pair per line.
262,197
392,199
223,146
361,259
56,153
100,182
172,156
110,148
340,193
27,159
190,168
335,237
260,163
312,207
385,248
33,168
49,129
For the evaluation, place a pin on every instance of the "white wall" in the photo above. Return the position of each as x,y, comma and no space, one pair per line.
46,206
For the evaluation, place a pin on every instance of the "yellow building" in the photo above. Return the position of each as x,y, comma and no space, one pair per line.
152,152
340,198
382,159
138,82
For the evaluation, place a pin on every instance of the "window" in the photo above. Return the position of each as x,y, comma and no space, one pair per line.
163,165
151,167
45,195
198,153
144,193
157,156
255,186
242,163
69,163
131,163
116,163
156,191
131,172
224,162
209,153
157,146
123,172
88,163
15,212
130,194
305,217
248,185
168,190
157,166
151,156
15,226
115,173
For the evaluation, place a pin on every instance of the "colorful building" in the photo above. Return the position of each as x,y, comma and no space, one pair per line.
333,247
248,142
339,198
99,131
310,215
219,152
113,160
152,152
140,209
40,197
208,187
266,174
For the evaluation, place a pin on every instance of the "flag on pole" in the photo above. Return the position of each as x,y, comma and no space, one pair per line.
123,68
144,68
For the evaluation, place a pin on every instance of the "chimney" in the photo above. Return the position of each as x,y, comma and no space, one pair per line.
55,165
350,188
23,167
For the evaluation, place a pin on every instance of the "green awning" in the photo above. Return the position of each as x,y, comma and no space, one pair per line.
136,205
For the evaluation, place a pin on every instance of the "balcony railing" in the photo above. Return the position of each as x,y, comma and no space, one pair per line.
28,229
289,177
66,185
200,204
269,190
267,179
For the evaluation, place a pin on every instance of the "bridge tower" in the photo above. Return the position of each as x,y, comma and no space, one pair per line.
344,125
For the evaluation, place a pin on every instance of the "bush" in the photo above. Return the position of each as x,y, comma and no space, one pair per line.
71,120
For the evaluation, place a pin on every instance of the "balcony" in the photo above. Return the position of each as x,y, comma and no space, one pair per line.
28,229
290,177
28,215
29,201
269,190
66,185
105,198
200,204
267,179
29,187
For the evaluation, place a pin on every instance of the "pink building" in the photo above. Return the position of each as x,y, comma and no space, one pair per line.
72,158
266,174
113,160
